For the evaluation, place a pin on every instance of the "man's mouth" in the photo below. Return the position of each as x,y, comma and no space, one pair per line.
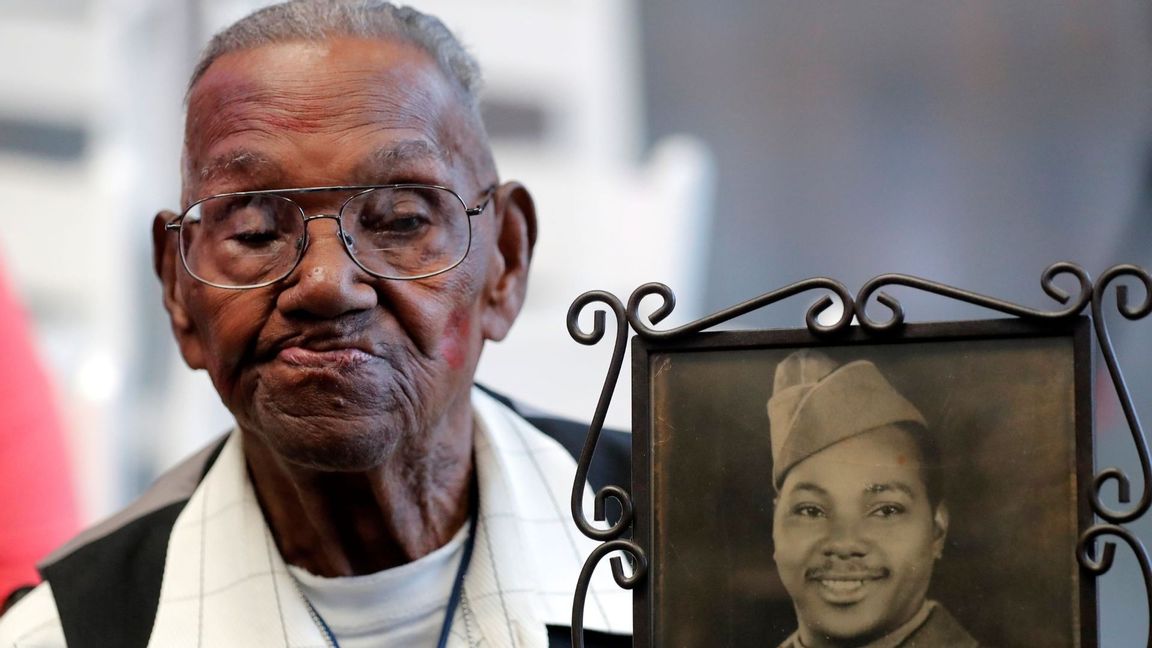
846,587
337,358
842,585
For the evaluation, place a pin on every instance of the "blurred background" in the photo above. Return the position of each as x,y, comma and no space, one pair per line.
725,149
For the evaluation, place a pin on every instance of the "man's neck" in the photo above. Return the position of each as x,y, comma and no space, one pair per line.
352,523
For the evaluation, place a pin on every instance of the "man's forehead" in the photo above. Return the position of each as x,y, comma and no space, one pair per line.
304,85
343,88
300,59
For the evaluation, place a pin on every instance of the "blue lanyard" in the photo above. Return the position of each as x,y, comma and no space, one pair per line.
465,560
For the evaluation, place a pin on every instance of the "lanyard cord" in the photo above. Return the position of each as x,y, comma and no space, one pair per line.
457,585
465,560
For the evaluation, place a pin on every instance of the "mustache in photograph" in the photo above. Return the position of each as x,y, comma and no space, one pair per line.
840,570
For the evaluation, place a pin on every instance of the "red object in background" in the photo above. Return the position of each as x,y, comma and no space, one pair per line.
37,500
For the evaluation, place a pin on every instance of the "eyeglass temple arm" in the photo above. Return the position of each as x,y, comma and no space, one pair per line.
479,209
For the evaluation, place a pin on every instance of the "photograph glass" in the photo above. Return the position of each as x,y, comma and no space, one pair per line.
928,488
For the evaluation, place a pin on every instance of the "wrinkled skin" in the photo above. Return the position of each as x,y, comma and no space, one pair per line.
351,392
856,538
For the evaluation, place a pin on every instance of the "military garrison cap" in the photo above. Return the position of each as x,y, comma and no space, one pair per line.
816,403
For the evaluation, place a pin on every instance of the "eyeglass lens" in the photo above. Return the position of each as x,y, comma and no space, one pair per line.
400,233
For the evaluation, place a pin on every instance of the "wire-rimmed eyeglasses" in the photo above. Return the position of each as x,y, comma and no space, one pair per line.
251,239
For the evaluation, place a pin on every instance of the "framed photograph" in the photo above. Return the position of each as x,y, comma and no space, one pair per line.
931,484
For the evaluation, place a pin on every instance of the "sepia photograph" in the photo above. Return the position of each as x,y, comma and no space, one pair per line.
919,491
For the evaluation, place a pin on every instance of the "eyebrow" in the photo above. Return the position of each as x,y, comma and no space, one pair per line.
870,489
875,489
810,487
402,153
407,150
244,162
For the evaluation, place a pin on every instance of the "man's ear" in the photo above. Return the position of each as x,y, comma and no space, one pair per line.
166,262
514,230
939,528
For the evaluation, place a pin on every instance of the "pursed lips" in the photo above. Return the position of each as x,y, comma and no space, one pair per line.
340,357
323,351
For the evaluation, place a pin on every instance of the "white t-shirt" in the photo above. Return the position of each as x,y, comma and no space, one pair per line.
402,606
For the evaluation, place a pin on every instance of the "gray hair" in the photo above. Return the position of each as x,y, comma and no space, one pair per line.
314,20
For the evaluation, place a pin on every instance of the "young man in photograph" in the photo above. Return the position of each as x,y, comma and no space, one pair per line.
858,520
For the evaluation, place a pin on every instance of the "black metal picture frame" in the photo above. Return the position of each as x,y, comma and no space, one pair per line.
639,535
1008,403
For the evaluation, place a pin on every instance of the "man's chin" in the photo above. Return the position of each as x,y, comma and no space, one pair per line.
328,432
338,449
846,625
352,423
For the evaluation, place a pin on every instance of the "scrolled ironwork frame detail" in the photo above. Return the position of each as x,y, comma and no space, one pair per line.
1047,283
626,581
597,426
612,538
811,317
1099,566
1138,438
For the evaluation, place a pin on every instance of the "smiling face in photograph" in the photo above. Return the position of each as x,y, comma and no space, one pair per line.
856,536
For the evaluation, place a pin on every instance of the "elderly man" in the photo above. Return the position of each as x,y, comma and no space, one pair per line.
858,519
344,251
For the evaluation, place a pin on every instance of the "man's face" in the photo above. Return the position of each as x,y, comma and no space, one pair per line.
856,537
332,367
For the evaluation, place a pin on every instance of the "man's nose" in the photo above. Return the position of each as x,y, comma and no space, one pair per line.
845,540
327,283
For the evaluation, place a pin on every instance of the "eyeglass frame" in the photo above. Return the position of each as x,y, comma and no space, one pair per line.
177,225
